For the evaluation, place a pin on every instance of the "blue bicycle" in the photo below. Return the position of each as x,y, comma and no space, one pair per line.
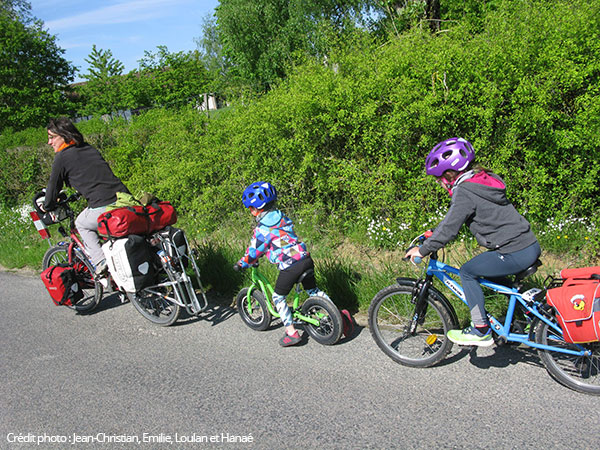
409,321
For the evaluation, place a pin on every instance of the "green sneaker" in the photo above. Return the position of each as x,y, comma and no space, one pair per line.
470,336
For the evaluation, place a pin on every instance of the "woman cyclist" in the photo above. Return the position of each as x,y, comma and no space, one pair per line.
479,201
79,165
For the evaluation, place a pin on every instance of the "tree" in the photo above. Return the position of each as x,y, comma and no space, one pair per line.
102,94
163,78
172,79
265,38
404,14
34,76
102,65
211,48
17,9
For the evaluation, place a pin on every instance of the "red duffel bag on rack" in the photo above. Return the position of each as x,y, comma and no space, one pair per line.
121,222
161,214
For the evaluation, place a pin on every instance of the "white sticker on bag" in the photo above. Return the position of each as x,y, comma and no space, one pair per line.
143,268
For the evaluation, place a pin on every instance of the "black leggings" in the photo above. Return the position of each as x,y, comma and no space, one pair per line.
288,277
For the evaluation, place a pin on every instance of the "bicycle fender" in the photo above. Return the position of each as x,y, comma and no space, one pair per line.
402,281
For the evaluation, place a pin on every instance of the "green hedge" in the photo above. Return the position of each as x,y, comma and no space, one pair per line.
344,142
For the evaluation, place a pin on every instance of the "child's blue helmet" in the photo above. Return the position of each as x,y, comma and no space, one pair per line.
259,194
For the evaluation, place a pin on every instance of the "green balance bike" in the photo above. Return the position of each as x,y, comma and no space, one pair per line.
318,315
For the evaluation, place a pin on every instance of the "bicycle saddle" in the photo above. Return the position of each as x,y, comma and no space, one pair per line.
304,275
529,271
518,277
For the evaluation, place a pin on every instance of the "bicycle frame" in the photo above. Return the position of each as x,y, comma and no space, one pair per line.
444,272
259,281
73,245
181,281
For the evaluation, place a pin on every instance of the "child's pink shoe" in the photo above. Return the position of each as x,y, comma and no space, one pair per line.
288,340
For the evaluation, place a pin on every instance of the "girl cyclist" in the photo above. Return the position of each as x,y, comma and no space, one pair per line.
275,236
479,201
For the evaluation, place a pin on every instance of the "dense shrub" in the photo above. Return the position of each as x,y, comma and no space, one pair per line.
344,142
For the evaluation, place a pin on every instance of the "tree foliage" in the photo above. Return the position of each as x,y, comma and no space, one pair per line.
265,38
163,79
211,49
102,65
33,73
17,9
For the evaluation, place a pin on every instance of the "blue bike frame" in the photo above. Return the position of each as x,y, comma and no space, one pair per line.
444,272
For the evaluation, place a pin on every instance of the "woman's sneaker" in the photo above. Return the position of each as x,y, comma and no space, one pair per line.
471,336
101,269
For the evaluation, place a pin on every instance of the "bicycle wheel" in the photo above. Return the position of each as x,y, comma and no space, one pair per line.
390,318
255,315
580,373
153,303
329,330
92,289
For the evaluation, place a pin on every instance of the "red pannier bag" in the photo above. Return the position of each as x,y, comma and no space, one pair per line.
121,222
577,303
161,214
62,285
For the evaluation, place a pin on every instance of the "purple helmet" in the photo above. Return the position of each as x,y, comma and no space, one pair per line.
259,194
452,154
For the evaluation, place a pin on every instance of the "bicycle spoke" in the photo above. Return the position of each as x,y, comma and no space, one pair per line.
391,319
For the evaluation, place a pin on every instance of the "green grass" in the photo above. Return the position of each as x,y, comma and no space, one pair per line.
20,244
350,272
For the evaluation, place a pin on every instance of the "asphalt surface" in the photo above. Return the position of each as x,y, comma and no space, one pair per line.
114,380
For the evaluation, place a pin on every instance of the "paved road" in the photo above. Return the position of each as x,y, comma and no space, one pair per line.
112,376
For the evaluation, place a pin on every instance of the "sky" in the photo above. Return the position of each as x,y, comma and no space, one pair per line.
125,27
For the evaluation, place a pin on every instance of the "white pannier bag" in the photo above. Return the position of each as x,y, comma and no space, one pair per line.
130,261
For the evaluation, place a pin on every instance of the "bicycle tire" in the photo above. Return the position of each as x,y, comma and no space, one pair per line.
258,317
329,330
580,373
92,289
390,314
154,306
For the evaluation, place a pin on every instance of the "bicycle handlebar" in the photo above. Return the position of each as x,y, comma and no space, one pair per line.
417,242
71,198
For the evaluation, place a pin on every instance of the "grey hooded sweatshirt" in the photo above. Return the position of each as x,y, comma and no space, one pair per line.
479,201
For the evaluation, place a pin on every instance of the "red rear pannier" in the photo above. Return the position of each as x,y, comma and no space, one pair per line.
62,285
583,273
577,303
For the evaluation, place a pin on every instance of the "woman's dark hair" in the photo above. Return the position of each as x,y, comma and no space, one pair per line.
66,130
